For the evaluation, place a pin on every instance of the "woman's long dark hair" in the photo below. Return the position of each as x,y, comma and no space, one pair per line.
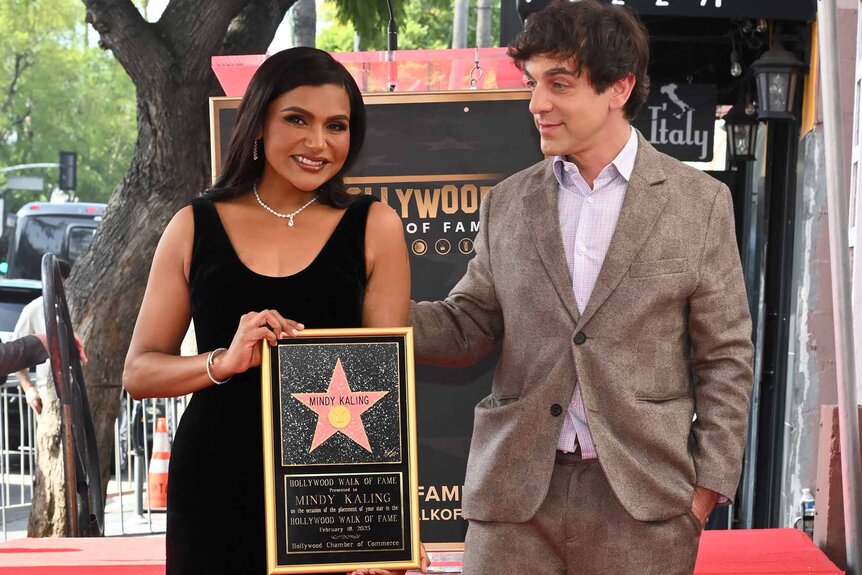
281,73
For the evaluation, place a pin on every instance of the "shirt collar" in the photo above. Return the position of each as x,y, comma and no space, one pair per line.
624,162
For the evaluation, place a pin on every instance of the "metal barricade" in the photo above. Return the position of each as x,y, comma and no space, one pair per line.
17,456
127,511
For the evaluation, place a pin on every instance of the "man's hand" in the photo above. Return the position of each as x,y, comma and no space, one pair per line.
423,566
33,399
80,345
703,503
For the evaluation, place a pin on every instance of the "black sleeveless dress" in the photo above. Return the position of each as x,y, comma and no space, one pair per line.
215,518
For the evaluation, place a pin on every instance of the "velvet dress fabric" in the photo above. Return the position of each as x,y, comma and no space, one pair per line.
215,517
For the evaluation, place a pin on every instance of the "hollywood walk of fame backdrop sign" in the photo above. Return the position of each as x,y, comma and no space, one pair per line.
341,479
431,157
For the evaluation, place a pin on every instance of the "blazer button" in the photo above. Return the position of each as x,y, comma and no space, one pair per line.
580,338
556,410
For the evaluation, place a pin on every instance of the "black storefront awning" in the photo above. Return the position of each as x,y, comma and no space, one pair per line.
769,9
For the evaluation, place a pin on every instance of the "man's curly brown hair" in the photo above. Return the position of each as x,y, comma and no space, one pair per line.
606,41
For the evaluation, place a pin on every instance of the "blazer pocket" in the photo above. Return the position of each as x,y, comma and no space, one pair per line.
492,402
658,267
501,401
658,398
695,522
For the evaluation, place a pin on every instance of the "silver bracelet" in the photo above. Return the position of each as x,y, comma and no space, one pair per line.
210,365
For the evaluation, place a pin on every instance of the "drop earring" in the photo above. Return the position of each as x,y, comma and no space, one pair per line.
254,151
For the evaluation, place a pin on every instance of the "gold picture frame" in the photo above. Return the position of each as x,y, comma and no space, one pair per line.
340,451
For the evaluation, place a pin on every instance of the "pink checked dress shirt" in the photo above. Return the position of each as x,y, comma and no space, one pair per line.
588,218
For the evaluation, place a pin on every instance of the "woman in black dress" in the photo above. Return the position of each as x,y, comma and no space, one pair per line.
276,237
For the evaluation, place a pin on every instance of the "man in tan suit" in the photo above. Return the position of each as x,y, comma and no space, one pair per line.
609,274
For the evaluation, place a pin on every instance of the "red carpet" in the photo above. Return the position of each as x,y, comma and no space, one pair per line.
757,552
761,552
112,555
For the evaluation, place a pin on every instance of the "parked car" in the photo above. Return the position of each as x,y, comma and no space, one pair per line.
14,295
65,230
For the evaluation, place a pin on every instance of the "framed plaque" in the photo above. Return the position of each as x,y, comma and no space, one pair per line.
340,461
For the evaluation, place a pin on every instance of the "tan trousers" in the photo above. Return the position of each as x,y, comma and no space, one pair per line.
582,529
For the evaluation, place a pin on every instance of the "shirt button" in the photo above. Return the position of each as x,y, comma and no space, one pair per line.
568,167
589,199
556,410
582,248
580,338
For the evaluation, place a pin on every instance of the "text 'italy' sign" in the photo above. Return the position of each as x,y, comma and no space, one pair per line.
679,120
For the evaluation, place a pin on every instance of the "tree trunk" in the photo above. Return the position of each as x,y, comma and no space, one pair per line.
459,23
304,23
48,514
169,167
169,62
483,23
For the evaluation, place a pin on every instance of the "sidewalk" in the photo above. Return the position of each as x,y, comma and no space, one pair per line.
120,517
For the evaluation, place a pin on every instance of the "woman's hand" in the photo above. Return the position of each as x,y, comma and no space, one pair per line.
423,566
244,352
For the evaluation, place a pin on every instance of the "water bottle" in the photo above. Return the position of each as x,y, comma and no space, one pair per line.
808,512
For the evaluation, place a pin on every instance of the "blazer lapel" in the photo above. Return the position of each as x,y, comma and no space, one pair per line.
542,213
642,206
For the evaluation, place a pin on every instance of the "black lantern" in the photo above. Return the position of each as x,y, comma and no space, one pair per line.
741,133
777,74
527,7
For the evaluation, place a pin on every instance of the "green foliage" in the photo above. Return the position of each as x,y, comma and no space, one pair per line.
58,91
422,24
427,25
369,17
335,37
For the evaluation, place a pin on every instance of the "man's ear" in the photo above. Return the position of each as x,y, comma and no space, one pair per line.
621,91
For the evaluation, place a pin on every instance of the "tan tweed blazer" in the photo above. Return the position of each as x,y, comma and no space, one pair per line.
666,334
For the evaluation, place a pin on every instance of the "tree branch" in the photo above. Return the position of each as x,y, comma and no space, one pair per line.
18,125
198,26
252,31
23,61
132,39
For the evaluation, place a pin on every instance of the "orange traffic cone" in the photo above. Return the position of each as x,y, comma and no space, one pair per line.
157,479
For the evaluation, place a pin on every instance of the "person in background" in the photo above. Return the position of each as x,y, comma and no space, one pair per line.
32,322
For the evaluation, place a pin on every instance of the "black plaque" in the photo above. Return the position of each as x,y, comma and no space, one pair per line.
341,479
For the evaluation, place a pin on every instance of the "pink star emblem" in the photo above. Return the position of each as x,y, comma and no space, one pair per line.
339,409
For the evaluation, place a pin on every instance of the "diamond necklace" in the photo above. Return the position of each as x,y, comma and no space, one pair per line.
289,216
